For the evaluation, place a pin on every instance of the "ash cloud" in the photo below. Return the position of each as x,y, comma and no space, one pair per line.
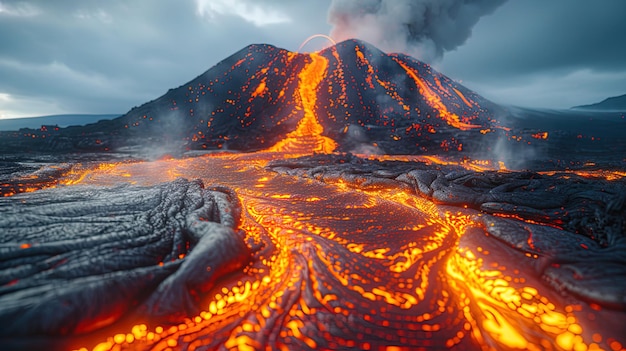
425,29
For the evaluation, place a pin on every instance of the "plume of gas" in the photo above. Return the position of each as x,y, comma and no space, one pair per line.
508,150
425,29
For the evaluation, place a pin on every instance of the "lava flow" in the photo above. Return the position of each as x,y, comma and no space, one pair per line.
342,267
307,137
341,251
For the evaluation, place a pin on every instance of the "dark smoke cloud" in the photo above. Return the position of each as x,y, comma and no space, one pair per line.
422,28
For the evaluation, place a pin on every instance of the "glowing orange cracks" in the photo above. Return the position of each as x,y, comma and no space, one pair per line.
435,101
308,138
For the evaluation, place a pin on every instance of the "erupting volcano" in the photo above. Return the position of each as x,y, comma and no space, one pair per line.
361,96
348,199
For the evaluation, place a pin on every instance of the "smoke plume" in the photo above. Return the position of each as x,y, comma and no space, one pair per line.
425,29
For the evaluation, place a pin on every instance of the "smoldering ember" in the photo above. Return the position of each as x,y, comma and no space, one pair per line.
341,199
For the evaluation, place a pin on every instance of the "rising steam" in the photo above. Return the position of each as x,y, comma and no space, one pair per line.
425,29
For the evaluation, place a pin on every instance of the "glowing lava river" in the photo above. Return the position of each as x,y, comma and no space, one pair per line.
301,247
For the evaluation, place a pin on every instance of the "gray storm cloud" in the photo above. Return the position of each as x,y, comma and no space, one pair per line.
425,29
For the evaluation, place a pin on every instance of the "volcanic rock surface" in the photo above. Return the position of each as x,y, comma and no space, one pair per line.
359,200
574,227
91,254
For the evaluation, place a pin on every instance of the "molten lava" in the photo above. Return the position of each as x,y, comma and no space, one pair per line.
435,101
308,138
336,270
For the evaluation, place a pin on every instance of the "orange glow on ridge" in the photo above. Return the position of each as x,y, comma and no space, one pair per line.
435,101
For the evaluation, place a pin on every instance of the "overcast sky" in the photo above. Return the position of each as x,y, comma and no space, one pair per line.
101,57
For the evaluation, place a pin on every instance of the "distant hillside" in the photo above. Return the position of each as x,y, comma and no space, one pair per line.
616,103
59,120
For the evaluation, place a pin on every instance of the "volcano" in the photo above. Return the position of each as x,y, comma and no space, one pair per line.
365,99
357,96
342,199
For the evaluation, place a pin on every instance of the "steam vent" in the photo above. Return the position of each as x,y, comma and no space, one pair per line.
342,199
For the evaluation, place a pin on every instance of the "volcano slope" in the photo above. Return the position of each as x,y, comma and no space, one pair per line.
368,205
366,100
